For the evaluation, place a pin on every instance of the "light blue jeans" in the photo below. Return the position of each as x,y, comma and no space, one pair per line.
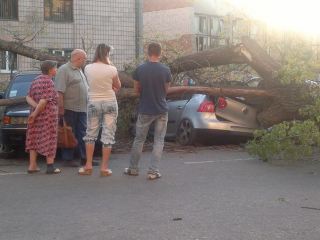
142,128
101,114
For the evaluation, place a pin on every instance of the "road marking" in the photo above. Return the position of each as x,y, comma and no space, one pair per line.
13,173
226,160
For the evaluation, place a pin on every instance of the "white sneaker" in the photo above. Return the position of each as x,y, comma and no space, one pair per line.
154,175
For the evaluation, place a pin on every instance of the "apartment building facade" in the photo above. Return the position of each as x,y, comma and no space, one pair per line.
195,25
63,25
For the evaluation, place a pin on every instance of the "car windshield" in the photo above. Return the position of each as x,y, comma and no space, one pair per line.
20,85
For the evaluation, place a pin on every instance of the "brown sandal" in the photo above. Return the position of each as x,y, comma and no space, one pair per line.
84,171
31,171
105,173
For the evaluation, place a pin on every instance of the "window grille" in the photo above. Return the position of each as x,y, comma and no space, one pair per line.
58,10
9,9
61,52
94,21
208,31
8,61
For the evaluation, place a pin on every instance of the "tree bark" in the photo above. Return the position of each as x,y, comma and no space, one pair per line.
227,92
276,104
33,53
125,93
12,101
29,52
209,58
261,62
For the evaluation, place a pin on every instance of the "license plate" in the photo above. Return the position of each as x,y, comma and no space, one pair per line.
19,120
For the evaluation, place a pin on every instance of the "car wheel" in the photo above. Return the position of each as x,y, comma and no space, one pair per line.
186,132
6,151
132,131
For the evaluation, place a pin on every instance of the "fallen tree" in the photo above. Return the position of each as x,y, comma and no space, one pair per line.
276,103
125,93
29,52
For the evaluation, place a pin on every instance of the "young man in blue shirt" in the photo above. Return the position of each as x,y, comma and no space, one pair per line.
151,82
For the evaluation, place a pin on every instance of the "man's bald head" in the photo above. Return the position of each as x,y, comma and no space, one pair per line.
78,58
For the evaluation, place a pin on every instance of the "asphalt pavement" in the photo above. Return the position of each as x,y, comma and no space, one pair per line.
215,194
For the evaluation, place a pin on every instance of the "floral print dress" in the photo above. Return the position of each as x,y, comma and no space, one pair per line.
42,134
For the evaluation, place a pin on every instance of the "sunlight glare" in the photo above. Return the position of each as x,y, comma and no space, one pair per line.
293,15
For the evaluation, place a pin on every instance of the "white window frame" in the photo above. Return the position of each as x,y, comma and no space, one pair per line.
209,32
59,52
7,69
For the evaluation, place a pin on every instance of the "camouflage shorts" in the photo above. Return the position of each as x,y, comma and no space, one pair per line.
101,114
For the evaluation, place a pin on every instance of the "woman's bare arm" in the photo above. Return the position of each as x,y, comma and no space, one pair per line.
40,107
116,84
31,102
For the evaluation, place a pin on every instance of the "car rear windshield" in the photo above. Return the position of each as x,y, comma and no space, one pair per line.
20,85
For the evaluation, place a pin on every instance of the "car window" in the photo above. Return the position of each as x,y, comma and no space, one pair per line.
20,85
183,97
186,96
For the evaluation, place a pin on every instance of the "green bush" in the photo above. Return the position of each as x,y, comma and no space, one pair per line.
296,139
126,108
289,140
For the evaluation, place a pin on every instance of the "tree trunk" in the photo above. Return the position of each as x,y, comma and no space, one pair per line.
261,62
209,58
275,114
125,93
12,101
276,104
226,92
29,52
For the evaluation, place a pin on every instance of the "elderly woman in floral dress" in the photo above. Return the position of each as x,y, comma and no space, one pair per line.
43,121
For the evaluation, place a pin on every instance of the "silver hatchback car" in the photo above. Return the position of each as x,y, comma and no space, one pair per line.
195,114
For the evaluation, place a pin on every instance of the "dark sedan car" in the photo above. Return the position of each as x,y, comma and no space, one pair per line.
14,118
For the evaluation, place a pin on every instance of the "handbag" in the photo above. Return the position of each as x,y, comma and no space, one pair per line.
66,138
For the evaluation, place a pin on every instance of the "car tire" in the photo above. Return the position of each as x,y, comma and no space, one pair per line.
6,151
132,131
186,133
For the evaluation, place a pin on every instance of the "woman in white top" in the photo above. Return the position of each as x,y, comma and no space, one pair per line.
103,81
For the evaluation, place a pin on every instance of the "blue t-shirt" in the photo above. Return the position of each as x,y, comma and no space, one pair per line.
152,77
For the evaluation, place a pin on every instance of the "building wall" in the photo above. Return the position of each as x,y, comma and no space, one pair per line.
96,21
213,7
156,5
168,24
175,20
181,45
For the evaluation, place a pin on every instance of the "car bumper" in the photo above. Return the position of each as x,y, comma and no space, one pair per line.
209,122
14,135
217,132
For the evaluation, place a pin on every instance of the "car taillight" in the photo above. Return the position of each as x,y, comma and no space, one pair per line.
222,103
206,106
6,120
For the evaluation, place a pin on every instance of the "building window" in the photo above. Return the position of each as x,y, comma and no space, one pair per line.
58,10
8,61
9,9
215,26
61,52
208,31
203,25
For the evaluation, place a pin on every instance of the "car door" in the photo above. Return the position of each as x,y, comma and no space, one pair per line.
236,111
176,107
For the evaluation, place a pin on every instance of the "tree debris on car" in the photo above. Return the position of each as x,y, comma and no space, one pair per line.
276,103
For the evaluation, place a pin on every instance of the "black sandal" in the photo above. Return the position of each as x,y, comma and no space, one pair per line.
53,171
